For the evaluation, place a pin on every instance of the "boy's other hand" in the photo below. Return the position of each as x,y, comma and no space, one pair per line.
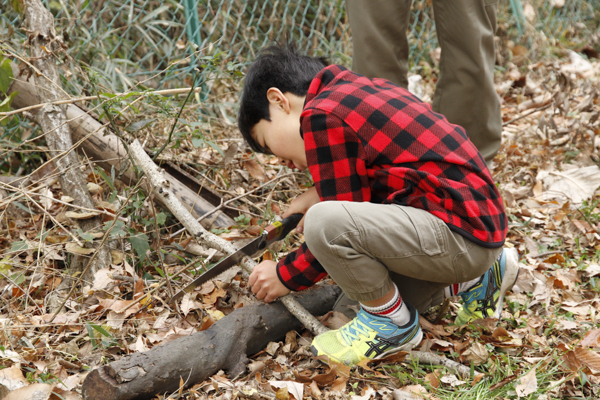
301,204
265,282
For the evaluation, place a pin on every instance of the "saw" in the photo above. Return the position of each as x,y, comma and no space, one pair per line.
272,233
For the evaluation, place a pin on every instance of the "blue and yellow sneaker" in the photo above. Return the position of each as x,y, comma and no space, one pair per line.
486,298
368,336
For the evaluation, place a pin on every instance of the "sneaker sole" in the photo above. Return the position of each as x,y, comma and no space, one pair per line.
511,273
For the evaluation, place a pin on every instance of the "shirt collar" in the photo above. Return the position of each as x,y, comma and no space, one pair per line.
325,77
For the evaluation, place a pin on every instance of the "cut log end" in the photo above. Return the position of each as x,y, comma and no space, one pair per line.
99,381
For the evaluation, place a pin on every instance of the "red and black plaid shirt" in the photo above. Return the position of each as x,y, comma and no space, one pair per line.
371,140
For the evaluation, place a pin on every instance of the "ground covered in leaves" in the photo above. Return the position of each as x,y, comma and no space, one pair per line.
545,345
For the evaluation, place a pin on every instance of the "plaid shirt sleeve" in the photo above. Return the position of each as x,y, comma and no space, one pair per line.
336,160
299,270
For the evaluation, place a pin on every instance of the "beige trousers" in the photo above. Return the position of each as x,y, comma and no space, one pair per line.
465,30
366,246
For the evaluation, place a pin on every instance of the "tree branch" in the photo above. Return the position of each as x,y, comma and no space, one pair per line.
52,118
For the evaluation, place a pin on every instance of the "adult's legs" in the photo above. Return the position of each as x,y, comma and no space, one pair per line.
465,91
379,38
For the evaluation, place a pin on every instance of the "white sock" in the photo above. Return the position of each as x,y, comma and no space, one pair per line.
395,309
458,288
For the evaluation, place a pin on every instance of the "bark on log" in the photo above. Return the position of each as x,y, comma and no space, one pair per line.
224,346
106,150
39,23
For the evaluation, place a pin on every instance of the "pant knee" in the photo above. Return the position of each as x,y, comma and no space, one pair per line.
324,222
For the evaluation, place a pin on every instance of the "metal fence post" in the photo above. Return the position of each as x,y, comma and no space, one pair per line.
192,26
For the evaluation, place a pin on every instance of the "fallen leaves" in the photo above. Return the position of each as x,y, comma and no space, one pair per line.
575,184
75,249
527,384
477,353
37,391
290,388
120,306
589,358
12,378
81,215
591,339
255,169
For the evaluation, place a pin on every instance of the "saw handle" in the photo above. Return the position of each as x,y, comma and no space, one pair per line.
280,229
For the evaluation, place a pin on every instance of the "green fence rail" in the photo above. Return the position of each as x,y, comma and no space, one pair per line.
130,41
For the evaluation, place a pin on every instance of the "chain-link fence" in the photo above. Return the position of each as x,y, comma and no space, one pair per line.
130,41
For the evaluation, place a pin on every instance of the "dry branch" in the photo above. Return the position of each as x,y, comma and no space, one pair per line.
52,118
224,346
88,98
106,150
424,357
162,189
538,101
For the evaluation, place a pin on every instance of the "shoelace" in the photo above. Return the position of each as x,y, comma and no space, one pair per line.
352,331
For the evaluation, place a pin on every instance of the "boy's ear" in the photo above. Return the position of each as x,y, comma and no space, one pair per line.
278,99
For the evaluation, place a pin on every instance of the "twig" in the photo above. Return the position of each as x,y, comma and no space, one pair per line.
39,249
164,146
48,181
65,152
547,253
11,188
100,97
25,292
225,204
75,238
161,284
423,357
157,233
117,132
74,206
125,278
37,72
183,384
526,114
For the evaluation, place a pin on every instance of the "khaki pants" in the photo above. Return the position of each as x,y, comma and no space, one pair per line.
465,29
366,246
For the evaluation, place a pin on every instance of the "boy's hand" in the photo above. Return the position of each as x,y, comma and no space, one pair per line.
265,282
301,204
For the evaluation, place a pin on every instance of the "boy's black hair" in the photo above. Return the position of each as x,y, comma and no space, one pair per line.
279,66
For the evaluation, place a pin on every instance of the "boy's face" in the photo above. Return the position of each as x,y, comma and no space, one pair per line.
281,135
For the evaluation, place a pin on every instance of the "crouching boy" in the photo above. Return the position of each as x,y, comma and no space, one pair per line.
403,211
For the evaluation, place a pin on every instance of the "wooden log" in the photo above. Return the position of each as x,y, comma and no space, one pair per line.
43,40
106,150
224,346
